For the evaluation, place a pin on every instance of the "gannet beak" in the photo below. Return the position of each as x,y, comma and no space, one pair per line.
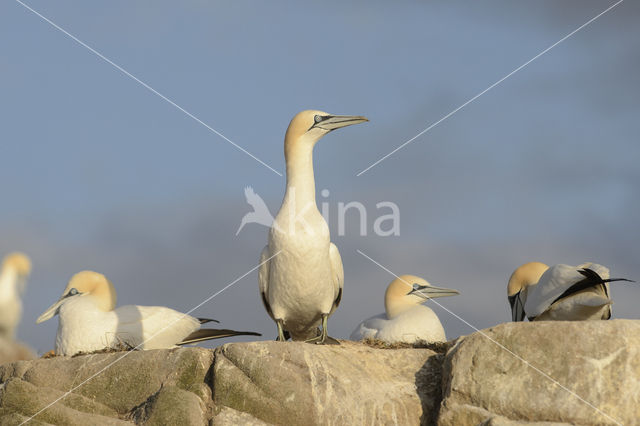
517,308
332,122
51,312
431,292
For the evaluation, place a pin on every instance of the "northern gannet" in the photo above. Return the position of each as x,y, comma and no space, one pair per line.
301,283
89,321
16,268
560,292
406,319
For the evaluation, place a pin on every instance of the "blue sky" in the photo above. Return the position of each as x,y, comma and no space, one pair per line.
100,173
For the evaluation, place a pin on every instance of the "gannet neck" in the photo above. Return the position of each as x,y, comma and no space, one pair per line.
75,307
397,307
16,267
396,300
301,186
8,287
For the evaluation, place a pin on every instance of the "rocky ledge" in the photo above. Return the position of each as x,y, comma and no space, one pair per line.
513,374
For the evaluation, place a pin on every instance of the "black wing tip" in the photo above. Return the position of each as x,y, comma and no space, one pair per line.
620,279
212,334
590,273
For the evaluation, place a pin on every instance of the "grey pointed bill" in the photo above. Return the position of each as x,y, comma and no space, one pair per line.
431,292
51,311
517,308
332,122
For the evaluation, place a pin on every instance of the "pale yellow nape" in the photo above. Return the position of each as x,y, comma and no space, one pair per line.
97,285
524,276
395,298
19,262
299,125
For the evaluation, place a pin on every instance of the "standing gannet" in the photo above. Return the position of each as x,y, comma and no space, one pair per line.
301,283
89,321
406,319
16,268
560,292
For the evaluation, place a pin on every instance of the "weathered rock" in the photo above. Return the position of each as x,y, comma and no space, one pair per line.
298,383
596,366
230,417
125,386
565,372
11,350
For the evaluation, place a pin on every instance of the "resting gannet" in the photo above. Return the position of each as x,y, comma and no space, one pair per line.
406,319
560,292
16,268
301,284
89,321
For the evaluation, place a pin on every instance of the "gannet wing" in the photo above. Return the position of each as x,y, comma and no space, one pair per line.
604,289
153,326
209,334
369,328
561,281
337,272
263,279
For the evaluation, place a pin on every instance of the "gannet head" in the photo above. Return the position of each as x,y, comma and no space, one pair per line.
522,278
85,284
407,291
307,127
19,263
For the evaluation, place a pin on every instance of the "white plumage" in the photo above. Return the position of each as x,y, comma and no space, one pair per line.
85,328
301,285
90,322
16,268
406,319
561,292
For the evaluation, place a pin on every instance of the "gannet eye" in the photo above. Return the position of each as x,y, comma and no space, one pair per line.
416,286
73,292
317,119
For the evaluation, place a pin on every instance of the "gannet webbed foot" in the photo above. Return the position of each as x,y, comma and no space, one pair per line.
323,338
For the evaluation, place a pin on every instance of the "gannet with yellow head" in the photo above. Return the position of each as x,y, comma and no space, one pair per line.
560,292
406,319
16,268
90,321
301,284
523,277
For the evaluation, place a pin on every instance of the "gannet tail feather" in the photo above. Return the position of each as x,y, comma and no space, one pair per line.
206,320
210,334
591,279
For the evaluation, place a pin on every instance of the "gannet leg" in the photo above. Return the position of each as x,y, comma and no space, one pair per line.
323,338
281,337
